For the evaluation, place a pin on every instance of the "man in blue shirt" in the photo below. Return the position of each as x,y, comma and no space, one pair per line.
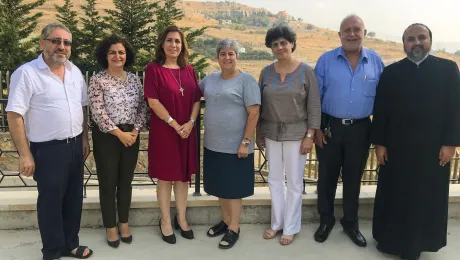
347,78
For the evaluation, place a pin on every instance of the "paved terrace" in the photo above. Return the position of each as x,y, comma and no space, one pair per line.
20,240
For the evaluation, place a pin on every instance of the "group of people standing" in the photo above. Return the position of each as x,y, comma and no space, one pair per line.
291,108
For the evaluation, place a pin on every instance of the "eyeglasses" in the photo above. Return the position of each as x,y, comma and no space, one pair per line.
58,42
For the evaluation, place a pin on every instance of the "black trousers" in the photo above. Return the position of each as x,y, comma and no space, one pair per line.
115,165
59,177
346,151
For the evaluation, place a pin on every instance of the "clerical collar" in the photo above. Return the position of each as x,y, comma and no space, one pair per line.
418,62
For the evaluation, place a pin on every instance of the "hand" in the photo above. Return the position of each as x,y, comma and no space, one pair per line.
186,129
306,146
320,139
260,141
382,154
446,154
26,165
134,133
85,148
126,138
243,151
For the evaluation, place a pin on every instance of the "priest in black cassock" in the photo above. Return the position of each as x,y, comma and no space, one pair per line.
415,128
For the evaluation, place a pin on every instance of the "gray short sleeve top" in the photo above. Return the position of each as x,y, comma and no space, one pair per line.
226,113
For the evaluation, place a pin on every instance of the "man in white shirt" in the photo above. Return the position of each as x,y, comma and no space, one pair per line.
46,107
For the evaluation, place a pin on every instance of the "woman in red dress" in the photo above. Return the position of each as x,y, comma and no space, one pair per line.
173,95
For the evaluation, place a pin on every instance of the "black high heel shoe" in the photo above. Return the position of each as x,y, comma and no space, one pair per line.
127,240
113,244
185,234
171,239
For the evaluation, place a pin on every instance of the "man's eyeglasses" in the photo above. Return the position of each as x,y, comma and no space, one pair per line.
58,42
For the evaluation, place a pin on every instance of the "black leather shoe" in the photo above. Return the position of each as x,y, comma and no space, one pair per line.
356,236
218,229
188,234
171,239
113,244
323,232
410,256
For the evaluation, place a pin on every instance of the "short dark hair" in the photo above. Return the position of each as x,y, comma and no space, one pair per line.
160,56
104,46
280,31
415,24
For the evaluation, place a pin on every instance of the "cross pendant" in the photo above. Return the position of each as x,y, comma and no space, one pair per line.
181,91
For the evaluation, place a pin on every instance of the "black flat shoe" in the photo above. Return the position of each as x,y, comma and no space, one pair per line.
185,234
218,229
356,236
127,240
229,239
171,239
323,232
113,244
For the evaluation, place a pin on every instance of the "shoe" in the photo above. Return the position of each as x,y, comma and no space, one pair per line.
218,229
356,236
188,234
410,256
127,240
113,244
229,239
171,239
323,231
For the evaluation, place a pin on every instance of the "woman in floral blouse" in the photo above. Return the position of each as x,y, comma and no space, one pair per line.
119,111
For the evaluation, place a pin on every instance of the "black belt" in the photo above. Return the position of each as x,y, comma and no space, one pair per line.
344,121
63,141
126,127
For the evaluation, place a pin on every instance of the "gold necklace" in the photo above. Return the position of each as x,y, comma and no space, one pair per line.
178,82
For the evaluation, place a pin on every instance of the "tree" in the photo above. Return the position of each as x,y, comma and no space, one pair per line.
68,17
91,34
16,26
371,34
133,20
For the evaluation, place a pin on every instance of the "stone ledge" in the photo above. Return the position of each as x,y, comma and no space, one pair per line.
146,198
18,208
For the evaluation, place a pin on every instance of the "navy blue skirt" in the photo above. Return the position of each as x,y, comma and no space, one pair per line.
226,176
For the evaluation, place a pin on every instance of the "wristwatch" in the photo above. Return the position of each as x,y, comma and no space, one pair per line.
193,121
308,135
245,142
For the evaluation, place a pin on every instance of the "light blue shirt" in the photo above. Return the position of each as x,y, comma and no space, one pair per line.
346,93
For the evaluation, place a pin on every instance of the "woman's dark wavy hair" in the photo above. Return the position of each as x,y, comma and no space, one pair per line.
280,31
160,56
103,49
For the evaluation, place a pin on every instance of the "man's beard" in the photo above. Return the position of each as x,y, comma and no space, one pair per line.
56,58
418,55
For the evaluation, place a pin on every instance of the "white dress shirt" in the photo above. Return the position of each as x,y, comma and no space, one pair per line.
52,109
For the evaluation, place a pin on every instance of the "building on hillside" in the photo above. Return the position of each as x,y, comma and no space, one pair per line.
225,21
242,50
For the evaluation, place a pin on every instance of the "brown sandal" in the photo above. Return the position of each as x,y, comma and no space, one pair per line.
288,238
270,233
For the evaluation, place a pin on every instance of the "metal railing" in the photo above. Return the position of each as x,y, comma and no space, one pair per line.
10,177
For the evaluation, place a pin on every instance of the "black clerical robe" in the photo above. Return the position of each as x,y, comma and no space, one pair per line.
416,112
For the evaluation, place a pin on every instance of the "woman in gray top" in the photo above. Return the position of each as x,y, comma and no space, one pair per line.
290,113
232,110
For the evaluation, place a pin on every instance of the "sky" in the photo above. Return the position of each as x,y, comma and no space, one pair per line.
387,18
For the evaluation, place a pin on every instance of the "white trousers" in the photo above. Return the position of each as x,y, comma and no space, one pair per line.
285,179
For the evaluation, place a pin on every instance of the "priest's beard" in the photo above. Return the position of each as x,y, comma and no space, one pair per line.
417,53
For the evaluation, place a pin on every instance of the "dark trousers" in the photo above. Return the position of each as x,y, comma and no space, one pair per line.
115,165
346,151
59,177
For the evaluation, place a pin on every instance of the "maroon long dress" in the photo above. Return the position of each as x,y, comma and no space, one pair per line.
170,157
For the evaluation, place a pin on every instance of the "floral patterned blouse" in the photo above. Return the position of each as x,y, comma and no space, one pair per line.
114,101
